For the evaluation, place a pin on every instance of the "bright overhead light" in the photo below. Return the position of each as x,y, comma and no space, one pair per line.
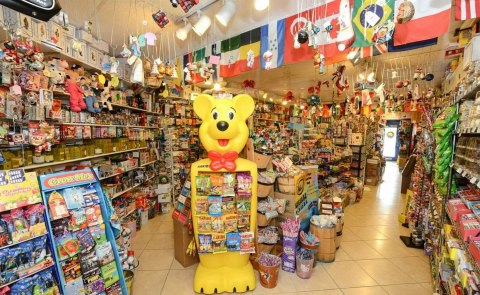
226,13
302,107
182,33
202,25
261,4
271,99
284,102
265,96
361,77
216,87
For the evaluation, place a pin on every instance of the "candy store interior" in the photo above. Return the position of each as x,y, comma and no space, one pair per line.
267,147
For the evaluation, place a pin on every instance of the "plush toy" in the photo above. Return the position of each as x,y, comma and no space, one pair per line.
114,63
76,96
91,101
55,70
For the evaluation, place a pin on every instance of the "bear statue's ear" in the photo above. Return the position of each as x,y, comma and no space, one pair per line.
244,105
202,105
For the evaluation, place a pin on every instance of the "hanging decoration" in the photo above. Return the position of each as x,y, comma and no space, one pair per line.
248,84
186,5
368,17
340,79
160,18
289,97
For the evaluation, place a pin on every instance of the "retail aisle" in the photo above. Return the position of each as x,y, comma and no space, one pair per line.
371,258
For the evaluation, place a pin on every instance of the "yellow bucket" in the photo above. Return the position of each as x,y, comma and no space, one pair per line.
129,275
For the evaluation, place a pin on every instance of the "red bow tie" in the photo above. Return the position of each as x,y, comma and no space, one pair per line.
220,161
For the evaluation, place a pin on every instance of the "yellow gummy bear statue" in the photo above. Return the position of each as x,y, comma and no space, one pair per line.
224,133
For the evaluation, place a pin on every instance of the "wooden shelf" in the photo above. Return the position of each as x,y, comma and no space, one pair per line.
116,195
13,244
135,168
121,106
106,125
36,166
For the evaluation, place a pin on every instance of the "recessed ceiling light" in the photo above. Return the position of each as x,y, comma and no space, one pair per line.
261,4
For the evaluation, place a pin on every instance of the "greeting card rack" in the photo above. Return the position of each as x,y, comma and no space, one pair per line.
86,255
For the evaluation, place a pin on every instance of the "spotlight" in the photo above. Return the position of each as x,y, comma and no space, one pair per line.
182,33
216,87
226,13
261,4
271,99
265,96
202,25
284,102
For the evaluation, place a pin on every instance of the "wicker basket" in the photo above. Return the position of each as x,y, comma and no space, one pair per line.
265,248
262,220
262,160
264,190
153,82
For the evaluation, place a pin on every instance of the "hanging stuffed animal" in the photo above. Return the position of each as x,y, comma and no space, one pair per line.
340,82
380,92
267,57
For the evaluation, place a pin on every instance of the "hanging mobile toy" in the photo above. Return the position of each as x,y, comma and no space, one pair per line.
160,18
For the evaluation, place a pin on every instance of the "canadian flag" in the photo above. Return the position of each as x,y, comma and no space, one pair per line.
466,9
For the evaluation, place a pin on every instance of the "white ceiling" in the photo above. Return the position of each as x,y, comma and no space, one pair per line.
114,20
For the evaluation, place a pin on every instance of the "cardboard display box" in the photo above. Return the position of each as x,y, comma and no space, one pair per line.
407,174
371,180
181,241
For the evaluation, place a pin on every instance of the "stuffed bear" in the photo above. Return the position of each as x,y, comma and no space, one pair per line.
76,96
92,103
55,70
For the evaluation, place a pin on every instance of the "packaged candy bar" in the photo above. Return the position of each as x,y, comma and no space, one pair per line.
233,242
39,251
205,244
93,215
78,219
244,222
243,206
5,238
215,206
203,185
201,206
219,245
247,244
60,227
67,246
229,184
228,205
114,289
71,269
218,224
110,274
73,198
244,185
216,184
204,224
231,223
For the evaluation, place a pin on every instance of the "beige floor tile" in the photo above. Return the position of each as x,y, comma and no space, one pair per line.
390,248
320,280
416,289
324,292
349,235
139,243
177,265
156,259
385,272
427,286
164,227
416,267
179,282
149,282
367,233
160,241
364,291
360,250
347,274
341,255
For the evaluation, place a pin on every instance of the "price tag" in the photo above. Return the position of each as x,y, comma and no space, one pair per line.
459,170
464,173
473,180
478,184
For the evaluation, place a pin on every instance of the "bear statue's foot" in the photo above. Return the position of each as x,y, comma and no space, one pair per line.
224,279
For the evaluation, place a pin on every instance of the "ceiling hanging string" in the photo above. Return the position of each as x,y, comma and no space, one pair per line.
113,26
168,43
125,26
97,25
136,17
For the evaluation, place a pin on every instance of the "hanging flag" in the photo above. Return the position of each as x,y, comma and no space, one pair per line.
367,16
418,20
250,50
240,53
367,51
213,54
191,57
467,9
411,46
336,34
273,40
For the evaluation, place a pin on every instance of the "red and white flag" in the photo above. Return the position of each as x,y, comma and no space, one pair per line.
467,9
418,20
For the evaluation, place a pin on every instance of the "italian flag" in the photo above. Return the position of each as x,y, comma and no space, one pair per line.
240,53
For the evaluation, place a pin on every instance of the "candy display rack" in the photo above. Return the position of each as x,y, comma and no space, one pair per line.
86,258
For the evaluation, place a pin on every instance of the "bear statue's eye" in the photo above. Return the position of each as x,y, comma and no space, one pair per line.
231,115
215,115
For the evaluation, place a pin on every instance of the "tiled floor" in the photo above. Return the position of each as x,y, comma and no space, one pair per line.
371,258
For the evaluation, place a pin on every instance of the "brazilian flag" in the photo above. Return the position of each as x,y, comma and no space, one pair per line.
367,16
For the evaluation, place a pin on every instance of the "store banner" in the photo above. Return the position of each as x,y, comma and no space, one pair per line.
336,32
467,9
418,20
411,46
240,53
273,40
367,17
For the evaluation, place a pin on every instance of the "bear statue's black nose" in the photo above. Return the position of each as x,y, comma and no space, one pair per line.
222,125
